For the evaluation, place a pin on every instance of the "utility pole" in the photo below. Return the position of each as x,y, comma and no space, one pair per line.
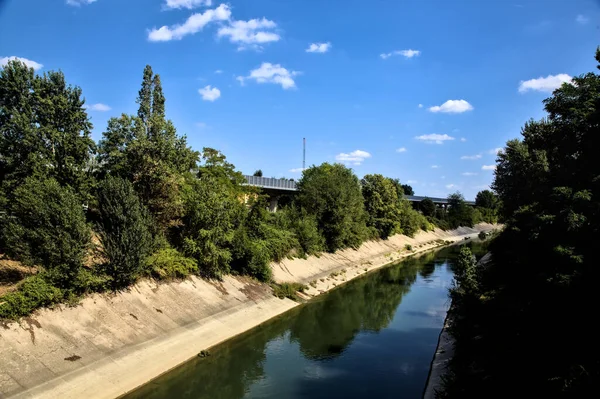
304,153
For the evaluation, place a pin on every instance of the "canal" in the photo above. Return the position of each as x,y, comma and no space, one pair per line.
373,337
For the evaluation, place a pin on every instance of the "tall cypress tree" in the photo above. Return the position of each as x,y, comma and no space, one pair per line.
145,97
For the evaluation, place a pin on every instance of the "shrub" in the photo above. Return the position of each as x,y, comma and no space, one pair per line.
170,263
332,193
35,292
408,247
124,231
212,214
482,235
47,227
288,290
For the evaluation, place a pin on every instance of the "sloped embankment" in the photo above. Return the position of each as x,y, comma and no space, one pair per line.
111,343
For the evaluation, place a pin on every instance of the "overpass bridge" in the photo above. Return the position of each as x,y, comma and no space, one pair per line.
277,187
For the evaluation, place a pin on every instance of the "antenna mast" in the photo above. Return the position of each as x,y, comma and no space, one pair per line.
304,153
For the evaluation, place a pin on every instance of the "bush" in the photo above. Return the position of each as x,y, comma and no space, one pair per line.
35,292
47,227
259,241
408,247
482,235
427,207
332,193
288,290
124,231
170,263
212,214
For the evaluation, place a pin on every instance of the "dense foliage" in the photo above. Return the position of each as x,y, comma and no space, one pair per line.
143,203
47,227
333,194
530,315
124,231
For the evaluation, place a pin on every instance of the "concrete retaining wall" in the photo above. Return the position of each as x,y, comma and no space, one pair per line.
110,344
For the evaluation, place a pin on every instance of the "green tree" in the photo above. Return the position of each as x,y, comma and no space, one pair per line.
407,190
332,193
258,173
486,199
146,150
212,214
44,130
459,213
124,231
46,226
427,207
544,261
382,204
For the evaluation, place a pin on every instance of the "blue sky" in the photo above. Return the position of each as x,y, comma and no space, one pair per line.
419,90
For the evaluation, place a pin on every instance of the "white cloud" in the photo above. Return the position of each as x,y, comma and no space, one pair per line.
78,3
405,53
189,4
470,157
250,33
462,139
201,125
488,167
451,186
29,63
271,73
209,93
434,138
420,105
495,151
434,166
411,181
401,149
355,157
453,107
442,177
319,47
469,174
195,23
296,170
547,84
98,107
582,19
218,71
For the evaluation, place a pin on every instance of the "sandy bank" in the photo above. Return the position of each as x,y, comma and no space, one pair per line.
112,343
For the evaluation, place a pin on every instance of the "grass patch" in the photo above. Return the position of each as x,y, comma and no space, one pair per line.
288,290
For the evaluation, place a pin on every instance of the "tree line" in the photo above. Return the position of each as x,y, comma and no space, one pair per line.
525,323
141,202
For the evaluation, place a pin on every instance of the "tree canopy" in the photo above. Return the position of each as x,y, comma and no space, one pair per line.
543,270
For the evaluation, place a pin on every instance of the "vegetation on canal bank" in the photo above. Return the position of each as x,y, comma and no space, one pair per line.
140,202
525,323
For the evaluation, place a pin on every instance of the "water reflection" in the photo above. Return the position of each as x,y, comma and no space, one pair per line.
358,340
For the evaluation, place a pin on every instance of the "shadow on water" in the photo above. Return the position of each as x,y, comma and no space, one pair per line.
350,342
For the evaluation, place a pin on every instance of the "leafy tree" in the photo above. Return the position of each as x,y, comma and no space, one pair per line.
46,226
44,130
258,173
124,231
544,261
382,204
459,213
427,207
407,190
212,214
333,195
146,150
486,199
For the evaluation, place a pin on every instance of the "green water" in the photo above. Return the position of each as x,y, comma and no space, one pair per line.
371,338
